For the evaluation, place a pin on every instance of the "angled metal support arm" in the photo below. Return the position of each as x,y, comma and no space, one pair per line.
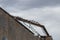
31,22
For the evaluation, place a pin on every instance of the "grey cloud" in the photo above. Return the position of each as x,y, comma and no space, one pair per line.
27,4
51,21
8,3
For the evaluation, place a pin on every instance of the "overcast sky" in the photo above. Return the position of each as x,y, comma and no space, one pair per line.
46,12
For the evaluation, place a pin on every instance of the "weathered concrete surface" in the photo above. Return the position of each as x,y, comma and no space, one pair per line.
13,30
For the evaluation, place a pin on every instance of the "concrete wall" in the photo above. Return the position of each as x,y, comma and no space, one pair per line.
12,30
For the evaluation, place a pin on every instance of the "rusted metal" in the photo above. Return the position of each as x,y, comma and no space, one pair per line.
31,22
46,38
12,29
28,21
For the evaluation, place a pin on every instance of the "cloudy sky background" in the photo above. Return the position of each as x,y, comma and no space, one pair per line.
47,12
